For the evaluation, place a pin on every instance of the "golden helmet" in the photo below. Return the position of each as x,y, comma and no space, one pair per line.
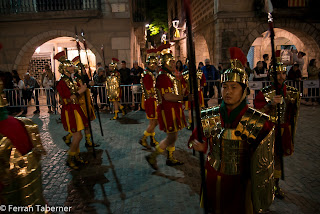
165,54
113,64
152,57
236,73
64,62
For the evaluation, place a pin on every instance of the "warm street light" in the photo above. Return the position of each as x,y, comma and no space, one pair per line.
175,24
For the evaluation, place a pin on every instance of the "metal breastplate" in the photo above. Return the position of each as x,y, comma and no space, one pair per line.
173,89
21,174
152,92
72,85
113,85
230,147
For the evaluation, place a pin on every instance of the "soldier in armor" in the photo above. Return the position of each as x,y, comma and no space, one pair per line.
201,78
239,164
289,100
149,99
82,102
72,116
20,156
113,89
170,113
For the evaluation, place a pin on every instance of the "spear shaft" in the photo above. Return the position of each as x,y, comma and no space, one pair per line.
191,56
85,95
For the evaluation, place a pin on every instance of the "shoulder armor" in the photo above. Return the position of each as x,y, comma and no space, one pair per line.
251,124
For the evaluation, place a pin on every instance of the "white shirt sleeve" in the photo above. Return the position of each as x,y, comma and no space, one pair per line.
21,84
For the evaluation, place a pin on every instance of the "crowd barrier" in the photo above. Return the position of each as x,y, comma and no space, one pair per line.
132,94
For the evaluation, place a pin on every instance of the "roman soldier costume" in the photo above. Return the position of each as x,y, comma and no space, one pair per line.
72,116
82,101
289,111
201,79
201,83
171,117
149,95
113,87
20,160
239,166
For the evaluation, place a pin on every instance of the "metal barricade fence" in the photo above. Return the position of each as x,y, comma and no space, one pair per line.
23,97
132,94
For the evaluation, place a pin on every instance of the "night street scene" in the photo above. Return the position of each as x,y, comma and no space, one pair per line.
160,106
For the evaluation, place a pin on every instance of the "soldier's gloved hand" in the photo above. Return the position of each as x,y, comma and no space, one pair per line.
276,100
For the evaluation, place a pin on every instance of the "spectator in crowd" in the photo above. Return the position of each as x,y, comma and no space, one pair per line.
259,72
211,73
125,80
298,59
200,65
99,80
135,75
48,83
18,85
30,83
294,73
313,74
265,61
186,65
179,70
99,65
220,68
124,73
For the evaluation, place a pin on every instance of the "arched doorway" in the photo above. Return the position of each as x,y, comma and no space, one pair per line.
201,49
44,55
26,52
284,41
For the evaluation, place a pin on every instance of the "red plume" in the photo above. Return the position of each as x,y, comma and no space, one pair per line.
152,51
60,55
115,60
162,47
236,53
278,53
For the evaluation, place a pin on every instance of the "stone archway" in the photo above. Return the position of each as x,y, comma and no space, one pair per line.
303,35
22,60
201,49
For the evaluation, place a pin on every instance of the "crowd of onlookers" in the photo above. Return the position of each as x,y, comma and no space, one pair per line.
21,91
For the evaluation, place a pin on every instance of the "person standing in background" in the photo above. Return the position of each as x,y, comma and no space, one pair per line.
48,83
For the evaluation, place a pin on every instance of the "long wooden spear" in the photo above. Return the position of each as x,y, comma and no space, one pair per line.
85,95
192,69
85,48
269,9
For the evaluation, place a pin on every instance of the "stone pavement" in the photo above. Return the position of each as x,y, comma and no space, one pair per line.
119,179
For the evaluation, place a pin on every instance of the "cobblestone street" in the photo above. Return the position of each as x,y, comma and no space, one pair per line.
119,180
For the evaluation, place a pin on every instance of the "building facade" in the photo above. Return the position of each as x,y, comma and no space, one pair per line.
220,24
26,25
